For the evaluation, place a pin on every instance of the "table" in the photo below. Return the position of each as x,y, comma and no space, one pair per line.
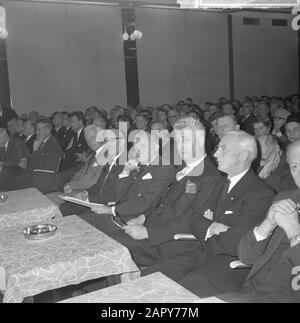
24,207
77,252
155,288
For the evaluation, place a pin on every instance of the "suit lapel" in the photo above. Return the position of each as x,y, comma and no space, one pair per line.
236,192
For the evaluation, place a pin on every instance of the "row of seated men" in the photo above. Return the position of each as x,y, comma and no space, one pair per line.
39,165
232,213
35,158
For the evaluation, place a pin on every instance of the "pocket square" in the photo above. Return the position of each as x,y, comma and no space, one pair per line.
147,176
228,212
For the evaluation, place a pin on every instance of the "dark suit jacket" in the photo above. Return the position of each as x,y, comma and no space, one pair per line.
259,254
42,168
140,192
7,115
59,135
47,157
247,124
247,202
66,138
104,190
177,206
79,146
30,143
16,151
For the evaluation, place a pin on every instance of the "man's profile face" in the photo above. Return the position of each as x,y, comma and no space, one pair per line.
28,129
247,108
293,159
76,124
91,139
227,108
224,125
228,154
41,131
12,127
293,131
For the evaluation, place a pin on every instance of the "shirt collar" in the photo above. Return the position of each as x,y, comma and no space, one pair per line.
6,145
79,132
114,161
45,140
195,163
235,179
27,138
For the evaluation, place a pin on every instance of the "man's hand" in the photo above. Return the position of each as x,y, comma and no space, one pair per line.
102,209
217,228
208,214
137,232
140,220
80,195
23,163
270,223
1,166
37,144
287,218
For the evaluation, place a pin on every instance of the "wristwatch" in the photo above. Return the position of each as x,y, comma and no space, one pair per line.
295,240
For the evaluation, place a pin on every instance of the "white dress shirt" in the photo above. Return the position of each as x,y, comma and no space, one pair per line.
233,181
185,171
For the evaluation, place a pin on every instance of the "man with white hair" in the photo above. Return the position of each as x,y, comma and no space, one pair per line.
237,203
89,173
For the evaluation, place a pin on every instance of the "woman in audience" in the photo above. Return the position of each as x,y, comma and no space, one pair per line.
142,122
262,126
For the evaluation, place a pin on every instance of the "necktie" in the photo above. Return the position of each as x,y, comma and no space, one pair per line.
91,160
224,192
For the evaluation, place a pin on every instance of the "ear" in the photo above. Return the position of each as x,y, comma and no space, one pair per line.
244,155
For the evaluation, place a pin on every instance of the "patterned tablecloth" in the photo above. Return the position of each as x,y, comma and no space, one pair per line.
25,207
77,252
155,288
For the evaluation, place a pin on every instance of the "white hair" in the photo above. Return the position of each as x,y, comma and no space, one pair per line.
246,142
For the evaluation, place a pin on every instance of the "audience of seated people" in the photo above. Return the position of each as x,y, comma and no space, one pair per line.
255,145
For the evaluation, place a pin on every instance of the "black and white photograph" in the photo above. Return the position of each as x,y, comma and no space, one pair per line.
149,154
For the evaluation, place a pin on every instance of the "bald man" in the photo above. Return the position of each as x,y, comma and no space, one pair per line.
237,203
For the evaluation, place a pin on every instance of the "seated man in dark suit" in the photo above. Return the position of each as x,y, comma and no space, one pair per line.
29,133
58,129
13,159
89,173
68,133
273,168
42,167
111,159
246,123
75,155
273,247
151,239
142,182
237,203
